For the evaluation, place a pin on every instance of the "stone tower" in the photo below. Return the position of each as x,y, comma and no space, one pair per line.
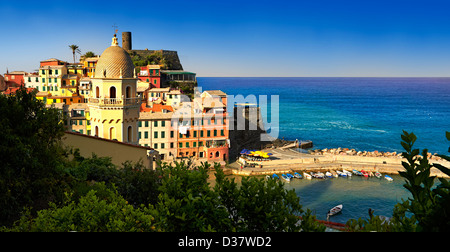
126,41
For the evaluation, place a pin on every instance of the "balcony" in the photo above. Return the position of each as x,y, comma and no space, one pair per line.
115,102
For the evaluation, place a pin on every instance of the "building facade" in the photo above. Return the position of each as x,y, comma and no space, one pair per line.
113,104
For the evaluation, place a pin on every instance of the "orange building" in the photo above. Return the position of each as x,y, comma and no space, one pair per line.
152,75
205,135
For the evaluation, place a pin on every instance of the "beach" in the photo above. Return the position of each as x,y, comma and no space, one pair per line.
287,160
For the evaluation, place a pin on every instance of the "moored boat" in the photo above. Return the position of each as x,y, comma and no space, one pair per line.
388,178
318,175
328,174
349,174
297,175
334,174
377,174
342,174
289,175
307,175
275,176
365,174
285,177
356,172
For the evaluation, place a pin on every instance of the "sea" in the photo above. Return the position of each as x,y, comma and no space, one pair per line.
364,114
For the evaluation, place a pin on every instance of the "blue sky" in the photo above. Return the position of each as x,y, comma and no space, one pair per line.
319,38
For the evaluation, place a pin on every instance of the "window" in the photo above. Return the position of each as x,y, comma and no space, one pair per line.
163,134
171,134
181,145
155,134
140,123
194,144
195,133
155,124
146,123
208,133
56,71
43,71
146,134
139,135
163,123
171,145
43,80
187,144
162,145
201,133
222,133
155,146
215,132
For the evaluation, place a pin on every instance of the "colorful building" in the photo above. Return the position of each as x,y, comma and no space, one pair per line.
156,131
89,65
113,104
151,74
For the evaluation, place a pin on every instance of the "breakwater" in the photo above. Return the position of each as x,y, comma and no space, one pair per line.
284,161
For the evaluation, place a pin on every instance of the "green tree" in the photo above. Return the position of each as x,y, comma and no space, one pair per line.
100,210
30,159
429,207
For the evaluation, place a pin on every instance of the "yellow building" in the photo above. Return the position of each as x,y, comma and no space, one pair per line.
113,104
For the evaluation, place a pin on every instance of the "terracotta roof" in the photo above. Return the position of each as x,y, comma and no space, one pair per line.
156,108
13,90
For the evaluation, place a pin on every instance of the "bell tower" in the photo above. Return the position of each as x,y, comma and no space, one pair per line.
113,103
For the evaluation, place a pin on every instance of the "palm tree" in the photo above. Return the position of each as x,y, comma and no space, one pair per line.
74,50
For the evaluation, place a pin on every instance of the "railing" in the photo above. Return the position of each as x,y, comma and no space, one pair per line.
115,101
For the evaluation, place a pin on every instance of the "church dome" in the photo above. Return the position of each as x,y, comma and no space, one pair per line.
114,62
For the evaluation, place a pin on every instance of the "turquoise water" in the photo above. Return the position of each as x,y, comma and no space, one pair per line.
356,194
361,113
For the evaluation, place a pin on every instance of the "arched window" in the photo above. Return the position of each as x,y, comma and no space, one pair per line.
96,131
128,92
112,92
112,133
217,154
97,92
130,134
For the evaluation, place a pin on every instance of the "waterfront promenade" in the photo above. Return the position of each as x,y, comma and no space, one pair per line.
288,160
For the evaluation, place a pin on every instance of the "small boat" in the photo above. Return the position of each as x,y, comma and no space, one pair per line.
377,174
349,174
364,173
388,178
307,175
297,175
275,176
285,177
328,174
318,175
335,210
371,174
290,175
358,173
334,174
341,174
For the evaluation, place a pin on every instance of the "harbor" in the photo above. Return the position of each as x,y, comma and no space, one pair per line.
287,160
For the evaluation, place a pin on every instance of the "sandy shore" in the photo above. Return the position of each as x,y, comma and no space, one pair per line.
287,160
